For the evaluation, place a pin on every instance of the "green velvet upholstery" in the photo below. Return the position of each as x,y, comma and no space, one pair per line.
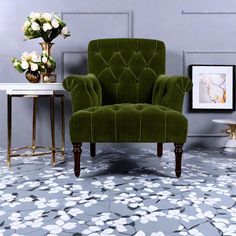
140,122
126,68
85,91
127,98
127,71
169,91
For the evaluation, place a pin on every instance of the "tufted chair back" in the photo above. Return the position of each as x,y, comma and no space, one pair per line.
126,68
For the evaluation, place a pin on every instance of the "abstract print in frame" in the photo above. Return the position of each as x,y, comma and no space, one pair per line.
213,87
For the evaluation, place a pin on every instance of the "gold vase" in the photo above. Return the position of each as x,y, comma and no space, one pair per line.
32,76
47,77
46,47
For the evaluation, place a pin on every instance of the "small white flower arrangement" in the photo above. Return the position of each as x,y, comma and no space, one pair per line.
28,61
45,25
34,62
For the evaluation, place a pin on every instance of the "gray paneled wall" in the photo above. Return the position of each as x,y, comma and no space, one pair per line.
200,31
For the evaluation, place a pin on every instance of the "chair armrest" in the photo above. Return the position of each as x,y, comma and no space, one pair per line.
169,91
85,91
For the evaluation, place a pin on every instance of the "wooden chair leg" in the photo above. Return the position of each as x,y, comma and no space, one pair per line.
159,149
92,149
178,158
77,153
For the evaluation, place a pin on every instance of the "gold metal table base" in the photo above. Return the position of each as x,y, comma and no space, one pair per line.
51,150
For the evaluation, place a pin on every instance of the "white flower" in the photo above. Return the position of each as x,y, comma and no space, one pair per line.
34,215
195,232
159,233
128,198
44,59
16,63
59,226
35,26
14,217
63,215
25,56
42,203
91,229
17,225
119,224
46,27
47,16
75,211
140,233
34,57
26,24
35,15
101,219
34,67
55,23
65,31
24,65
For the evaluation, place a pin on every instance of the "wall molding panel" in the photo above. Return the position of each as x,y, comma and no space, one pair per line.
128,14
183,12
207,135
185,53
63,60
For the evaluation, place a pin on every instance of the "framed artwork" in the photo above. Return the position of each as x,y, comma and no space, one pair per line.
213,87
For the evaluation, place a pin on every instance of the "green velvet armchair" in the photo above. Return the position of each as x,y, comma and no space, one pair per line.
127,98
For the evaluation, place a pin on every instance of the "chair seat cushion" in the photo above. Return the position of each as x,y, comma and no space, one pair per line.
128,123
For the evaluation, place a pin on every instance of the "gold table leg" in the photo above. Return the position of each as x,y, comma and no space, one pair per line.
52,115
9,129
51,150
35,100
63,127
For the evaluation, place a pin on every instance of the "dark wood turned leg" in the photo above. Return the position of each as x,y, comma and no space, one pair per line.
77,153
92,149
178,158
159,149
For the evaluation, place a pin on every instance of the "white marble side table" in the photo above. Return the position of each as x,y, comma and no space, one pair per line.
30,90
230,145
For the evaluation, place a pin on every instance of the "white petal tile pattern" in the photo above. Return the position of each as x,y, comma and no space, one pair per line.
124,191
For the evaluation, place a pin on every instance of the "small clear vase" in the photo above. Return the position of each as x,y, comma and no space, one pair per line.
46,47
47,77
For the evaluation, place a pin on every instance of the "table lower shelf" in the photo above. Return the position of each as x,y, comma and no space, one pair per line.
14,153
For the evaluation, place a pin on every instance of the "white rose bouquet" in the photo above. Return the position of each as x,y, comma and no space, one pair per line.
28,62
45,25
35,63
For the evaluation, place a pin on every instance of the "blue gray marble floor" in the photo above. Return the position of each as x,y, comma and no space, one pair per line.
122,191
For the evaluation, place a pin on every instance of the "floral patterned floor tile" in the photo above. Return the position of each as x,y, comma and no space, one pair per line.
122,191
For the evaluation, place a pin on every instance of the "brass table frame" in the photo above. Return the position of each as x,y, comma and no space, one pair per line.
51,150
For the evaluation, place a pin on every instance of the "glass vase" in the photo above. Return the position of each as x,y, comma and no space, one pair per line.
47,77
46,47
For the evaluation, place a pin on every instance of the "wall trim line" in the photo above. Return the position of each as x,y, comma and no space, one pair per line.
183,12
185,52
207,135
